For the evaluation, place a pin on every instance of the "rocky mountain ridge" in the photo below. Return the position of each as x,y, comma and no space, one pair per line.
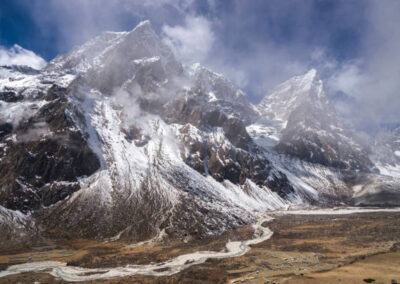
117,138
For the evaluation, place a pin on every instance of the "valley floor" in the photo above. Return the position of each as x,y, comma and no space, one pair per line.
321,247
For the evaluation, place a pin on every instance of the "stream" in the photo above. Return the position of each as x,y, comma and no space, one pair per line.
170,267
177,264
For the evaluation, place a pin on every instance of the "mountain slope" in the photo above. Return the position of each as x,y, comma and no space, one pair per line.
105,143
117,140
309,128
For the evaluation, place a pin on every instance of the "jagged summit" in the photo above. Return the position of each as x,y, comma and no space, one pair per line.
111,59
312,72
310,76
290,94
276,107
144,25
217,96
303,123
143,29
112,48
304,82
217,86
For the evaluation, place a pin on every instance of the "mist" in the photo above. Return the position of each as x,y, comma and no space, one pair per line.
38,131
16,55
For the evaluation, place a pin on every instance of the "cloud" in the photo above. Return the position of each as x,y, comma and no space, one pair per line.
128,102
191,41
258,44
347,79
381,88
16,55
373,78
258,69
36,132
73,22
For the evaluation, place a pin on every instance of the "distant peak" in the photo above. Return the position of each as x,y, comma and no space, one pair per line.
311,73
290,94
308,80
310,76
196,65
144,25
197,68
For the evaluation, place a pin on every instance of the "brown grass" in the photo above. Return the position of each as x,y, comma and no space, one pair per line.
303,249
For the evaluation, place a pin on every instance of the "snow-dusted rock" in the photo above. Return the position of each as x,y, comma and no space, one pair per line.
116,138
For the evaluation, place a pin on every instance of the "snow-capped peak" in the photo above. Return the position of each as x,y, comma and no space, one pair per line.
308,80
110,47
221,91
290,94
144,28
111,59
311,74
144,25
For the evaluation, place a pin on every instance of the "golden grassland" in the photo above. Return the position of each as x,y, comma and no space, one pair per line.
357,248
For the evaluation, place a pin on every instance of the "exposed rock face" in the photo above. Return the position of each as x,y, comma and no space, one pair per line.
117,139
316,138
5,129
221,94
196,111
312,131
44,158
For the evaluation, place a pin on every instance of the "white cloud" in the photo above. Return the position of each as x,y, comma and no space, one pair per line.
347,79
258,69
373,79
192,41
16,55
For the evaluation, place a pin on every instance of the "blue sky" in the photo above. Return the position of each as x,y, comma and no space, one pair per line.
50,27
354,44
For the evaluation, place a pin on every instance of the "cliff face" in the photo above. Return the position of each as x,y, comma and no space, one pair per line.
312,131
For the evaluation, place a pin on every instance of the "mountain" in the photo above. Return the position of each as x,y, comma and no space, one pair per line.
309,128
386,148
116,139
